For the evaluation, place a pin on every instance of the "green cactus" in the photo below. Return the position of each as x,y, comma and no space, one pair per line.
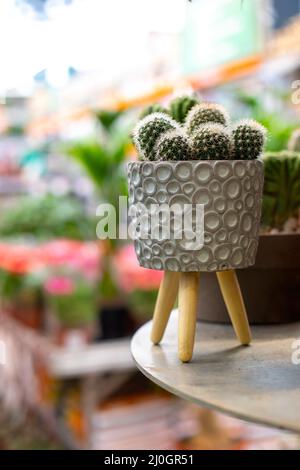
148,131
205,113
281,198
173,145
212,142
153,108
180,107
249,138
294,142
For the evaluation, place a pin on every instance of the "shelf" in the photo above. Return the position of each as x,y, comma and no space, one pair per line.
101,358
257,383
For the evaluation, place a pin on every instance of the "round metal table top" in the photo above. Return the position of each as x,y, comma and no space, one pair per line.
258,383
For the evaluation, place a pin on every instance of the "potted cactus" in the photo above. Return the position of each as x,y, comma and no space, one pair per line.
198,159
275,277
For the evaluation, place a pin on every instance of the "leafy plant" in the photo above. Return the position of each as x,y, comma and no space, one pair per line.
75,307
279,122
46,217
102,158
108,118
281,198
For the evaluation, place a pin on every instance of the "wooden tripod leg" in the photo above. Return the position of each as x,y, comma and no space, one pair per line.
165,302
187,303
233,299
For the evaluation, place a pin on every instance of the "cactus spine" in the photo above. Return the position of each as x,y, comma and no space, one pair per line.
173,145
249,138
281,188
205,113
148,131
153,108
205,134
180,107
212,142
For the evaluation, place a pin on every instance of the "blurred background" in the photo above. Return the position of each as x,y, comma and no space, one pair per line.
75,76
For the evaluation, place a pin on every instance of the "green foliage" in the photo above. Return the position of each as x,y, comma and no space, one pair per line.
180,106
279,123
15,131
249,138
294,142
103,163
281,198
142,303
212,142
102,158
11,284
108,119
173,145
76,309
46,217
148,131
205,113
153,108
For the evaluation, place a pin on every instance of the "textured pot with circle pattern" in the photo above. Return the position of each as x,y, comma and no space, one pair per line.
231,193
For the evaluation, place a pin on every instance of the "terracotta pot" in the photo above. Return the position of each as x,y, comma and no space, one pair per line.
271,288
231,192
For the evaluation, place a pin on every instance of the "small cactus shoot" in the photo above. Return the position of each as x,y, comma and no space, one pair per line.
212,142
180,107
249,139
153,108
205,113
148,131
173,145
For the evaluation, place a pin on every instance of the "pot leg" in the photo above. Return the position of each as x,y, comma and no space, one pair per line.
187,302
165,302
233,299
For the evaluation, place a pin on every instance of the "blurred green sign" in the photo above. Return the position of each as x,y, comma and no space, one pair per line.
221,31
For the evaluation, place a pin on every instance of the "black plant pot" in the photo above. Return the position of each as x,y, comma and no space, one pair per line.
271,288
114,322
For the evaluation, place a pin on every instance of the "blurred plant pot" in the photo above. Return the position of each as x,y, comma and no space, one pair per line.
27,308
114,320
271,288
67,335
71,311
74,338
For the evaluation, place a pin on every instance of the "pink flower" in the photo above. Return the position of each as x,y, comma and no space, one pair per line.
130,275
83,257
59,286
